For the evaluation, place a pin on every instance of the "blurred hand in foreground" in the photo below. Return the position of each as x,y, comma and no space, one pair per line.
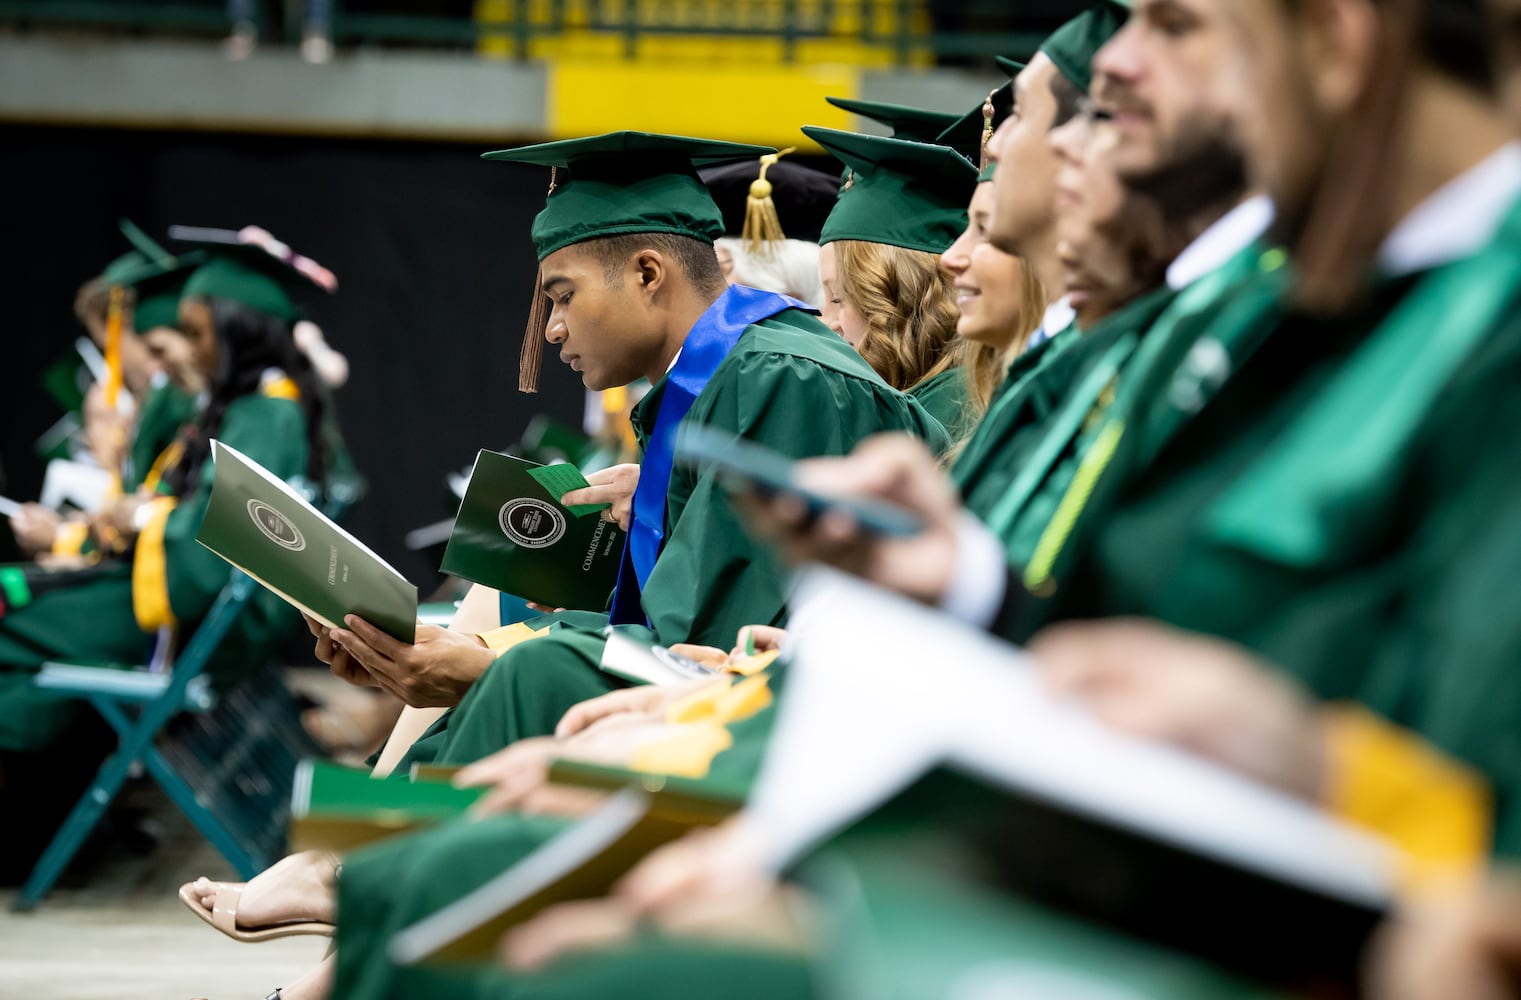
1467,944
893,468
35,527
709,884
1199,693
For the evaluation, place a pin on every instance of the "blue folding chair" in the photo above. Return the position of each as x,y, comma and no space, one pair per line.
239,793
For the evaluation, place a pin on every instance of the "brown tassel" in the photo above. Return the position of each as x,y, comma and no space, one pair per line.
763,228
532,356
987,129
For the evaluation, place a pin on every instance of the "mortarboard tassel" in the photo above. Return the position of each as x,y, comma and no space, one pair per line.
763,228
532,357
116,304
987,129
111,392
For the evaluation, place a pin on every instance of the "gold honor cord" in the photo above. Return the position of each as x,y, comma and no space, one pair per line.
1038,573
1065,430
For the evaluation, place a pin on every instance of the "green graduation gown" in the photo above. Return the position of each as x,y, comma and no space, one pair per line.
946,398
789,384
1340,500
92,620
164,411
1038,427
1029,400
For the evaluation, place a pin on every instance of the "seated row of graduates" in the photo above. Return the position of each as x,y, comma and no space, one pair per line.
201,341
1278,420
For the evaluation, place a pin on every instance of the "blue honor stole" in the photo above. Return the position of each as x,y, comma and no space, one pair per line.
710,341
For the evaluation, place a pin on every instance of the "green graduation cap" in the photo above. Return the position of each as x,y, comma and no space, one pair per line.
145,257
154,274
1013,67
1073,46
145,244
970,133
913,124
257,271
626,182
905,194
613,185
159,292
125,268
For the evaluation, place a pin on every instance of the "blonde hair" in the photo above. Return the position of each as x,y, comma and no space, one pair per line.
909,304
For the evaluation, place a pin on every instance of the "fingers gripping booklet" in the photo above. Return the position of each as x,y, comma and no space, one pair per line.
514,535
261,525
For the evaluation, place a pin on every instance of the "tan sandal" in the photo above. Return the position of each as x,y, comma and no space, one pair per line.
223,915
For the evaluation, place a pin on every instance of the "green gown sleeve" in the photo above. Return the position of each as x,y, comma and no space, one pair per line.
1391,590
712,578
1444,659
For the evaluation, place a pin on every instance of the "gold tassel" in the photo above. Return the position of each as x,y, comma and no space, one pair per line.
987,129
532,356
763,229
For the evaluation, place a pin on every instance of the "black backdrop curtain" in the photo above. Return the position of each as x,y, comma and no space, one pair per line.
429,243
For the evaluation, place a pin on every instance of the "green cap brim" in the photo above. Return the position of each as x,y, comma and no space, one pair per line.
158,294
127,268
1013,67
249,275
155,311
913,124
905,194
965,134
625,183
1073,46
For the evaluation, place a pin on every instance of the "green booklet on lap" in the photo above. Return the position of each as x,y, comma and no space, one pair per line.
336,808
583,862
261,525
513,535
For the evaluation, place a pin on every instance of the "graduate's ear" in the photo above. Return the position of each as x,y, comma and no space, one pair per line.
1340,42
653,271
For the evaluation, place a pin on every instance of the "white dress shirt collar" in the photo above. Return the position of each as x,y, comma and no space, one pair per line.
1459,219
1059,315
1232,233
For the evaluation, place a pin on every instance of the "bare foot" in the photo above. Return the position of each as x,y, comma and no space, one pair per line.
297,887
315,985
